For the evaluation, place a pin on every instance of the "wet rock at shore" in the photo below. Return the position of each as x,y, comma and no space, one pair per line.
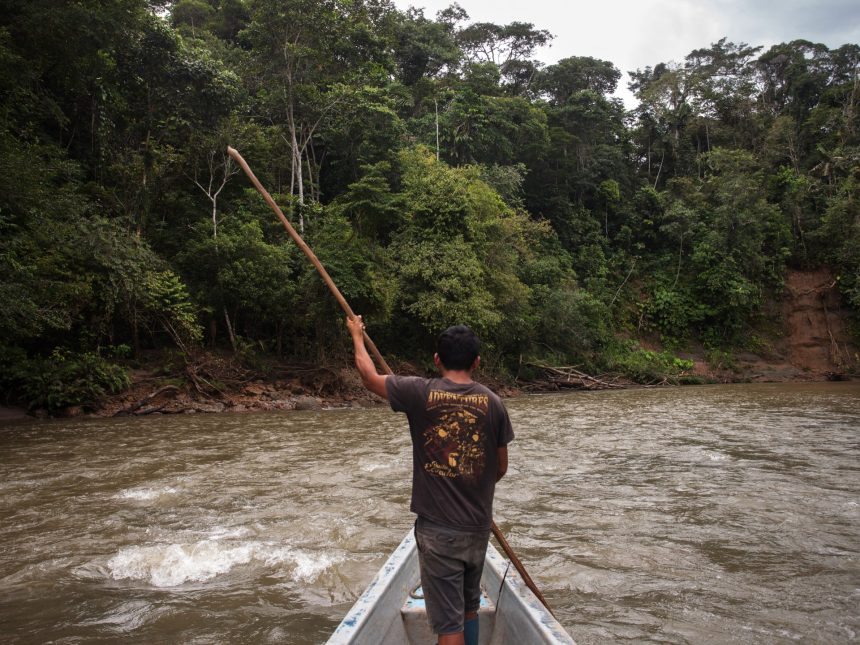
284,404
215,406
255,389
308,403
71,412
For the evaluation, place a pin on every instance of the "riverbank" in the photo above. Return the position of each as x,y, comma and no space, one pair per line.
296,389
806,340
317,388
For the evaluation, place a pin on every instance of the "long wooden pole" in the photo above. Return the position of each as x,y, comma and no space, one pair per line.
500,538
373,350
307,251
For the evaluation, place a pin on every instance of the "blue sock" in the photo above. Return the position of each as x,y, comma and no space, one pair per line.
470,631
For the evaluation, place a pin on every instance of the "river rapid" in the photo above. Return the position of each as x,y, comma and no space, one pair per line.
714,514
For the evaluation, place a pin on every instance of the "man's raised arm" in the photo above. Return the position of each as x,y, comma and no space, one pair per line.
373,380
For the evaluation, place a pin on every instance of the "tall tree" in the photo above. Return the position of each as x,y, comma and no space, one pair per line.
568,76
664,93
510,47
723,93
304,52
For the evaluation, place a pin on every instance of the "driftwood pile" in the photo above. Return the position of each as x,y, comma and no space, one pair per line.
314,378
210,377
213,376
569,377
143,406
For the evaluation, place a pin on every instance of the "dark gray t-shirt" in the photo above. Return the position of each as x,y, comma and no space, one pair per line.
456,429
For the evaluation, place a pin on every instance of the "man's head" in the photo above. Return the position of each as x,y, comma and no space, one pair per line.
458,348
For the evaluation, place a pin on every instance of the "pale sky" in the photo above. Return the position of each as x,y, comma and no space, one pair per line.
633,34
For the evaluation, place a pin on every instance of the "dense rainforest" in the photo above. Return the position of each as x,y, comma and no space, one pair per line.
439,171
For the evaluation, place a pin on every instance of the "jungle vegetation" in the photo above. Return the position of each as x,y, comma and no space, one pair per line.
439,171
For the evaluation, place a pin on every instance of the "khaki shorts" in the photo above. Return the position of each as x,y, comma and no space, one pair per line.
451,563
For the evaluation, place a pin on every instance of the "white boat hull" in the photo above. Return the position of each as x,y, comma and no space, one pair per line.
387,613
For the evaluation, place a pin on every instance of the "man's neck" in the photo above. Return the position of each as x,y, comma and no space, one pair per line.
457,376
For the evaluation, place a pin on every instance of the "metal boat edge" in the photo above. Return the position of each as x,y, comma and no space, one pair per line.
519,617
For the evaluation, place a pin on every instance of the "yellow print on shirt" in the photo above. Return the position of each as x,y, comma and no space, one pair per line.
454,443
480,401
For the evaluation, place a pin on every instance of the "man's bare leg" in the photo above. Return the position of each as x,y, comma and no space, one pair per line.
451,639
456,639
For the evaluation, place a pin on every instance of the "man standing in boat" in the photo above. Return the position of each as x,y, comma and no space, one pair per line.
460,431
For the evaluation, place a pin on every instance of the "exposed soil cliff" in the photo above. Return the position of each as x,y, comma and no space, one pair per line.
812,343
817,338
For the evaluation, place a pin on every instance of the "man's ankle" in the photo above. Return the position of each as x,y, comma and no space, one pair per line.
470,631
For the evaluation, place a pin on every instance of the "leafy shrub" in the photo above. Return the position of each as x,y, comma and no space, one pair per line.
720,359
645,365
570,323
11,360
673,312
65,379
167,299
121,351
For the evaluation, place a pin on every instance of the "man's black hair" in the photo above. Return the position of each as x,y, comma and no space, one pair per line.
458,347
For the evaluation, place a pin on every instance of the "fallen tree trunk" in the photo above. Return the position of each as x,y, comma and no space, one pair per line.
133,409
570,376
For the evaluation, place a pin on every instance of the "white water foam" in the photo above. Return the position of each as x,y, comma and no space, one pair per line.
226,533
309,566
145,494
170,565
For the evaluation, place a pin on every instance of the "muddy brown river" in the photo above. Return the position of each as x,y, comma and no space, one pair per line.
715,514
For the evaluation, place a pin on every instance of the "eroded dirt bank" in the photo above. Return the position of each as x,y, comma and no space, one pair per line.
812,343
818,339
